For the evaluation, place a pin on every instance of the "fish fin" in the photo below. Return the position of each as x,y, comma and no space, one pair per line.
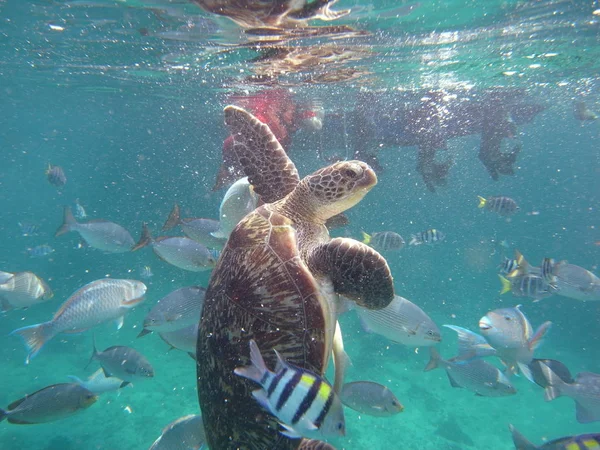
555,383
585,415
434,360
538,337
506,284
364,324
261,397
79,381
482,201
523,266
107,374
94,351
19,421
526,371
68,222
288,431
5,306
520,441
219,234
173,219
366,238
414,240
3,414
119,322
145,238
144,332
341,359
124,383
453,382
470,345
280,362
257,369
35,336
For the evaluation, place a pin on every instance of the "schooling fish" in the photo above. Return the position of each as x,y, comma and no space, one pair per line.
475,375
508,266
40,251
22,290
576,282
51,403
99,383
95,303
185,433
176,310
181,252
580,442
372,399
56,176
304,402
100,234
183,339
401,321
384,241
200,230
123,362
427,237
585,390
28,229
505,206
238,201
509,332
528,285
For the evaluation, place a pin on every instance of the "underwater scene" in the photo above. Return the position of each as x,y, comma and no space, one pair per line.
300,224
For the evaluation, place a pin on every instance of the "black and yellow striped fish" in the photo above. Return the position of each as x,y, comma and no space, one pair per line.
304,402
505,206
427,237
384,241
580,442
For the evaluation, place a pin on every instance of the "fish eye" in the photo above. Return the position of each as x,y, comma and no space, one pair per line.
430,333
340,425
507,318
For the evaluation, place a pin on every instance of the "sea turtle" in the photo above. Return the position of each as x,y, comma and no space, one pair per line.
277,282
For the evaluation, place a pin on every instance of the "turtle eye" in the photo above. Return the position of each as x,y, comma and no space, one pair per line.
350,173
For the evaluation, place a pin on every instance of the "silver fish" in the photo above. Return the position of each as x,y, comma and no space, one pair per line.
585,390
51,403
56,175
176,310
95,303
123,362
475,375
238,201
40,251
372,399
198,229
22,290
576,282
99,383
509,332
181,252
384,241
100,234
401,321
183,339
185,433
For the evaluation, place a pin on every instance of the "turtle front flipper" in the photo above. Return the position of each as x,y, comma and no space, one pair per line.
264,161
312,444
356,270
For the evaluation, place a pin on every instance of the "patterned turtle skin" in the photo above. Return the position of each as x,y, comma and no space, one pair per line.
277,282
272,13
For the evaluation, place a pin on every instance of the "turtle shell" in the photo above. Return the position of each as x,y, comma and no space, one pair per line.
262,290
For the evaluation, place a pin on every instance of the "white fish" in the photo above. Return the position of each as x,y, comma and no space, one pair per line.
123,362
183,339
22,290
238,201
185,433
100,234
576,282
181,252
95,303
370,398
99,383
198,229
401,321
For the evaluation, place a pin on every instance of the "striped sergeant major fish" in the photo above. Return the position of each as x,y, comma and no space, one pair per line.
505,206
548,270
580,442
305,404
384,241
530,285
508,266
427,237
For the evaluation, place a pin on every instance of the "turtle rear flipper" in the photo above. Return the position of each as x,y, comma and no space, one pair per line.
270,172
356,270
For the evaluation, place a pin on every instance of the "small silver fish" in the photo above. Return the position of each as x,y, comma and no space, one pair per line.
505,206
238,201
184,339
384,241
370,398
79,210
401,321
427,237
100,234
123,362
579,442
51,403
198,229
585,390
176,310
56,175
95,303
99,383
475,375
40,251
185,433
181,252
509,332
28,229
22,290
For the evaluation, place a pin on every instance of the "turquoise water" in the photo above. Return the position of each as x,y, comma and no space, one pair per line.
135,119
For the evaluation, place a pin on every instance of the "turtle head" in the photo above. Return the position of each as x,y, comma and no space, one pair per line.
338,187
